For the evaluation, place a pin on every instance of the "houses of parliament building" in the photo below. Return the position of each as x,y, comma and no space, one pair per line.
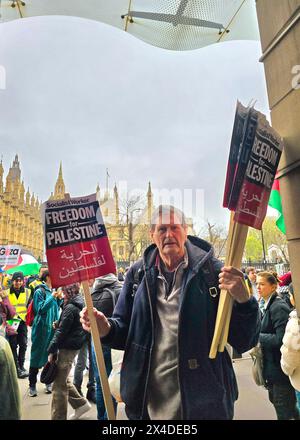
20,218
21,222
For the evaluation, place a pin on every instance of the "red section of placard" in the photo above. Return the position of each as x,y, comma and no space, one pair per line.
80,262
276,185
77,245
252,205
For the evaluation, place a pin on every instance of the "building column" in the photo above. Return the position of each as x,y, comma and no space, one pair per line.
279,23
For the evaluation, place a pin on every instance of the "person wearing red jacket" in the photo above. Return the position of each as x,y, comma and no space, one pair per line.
7,312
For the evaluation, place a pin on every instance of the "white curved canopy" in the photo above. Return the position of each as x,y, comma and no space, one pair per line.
169,24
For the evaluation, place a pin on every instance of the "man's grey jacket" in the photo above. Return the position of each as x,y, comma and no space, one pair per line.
208,387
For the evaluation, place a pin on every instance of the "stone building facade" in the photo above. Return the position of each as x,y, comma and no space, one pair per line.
127,223
20,213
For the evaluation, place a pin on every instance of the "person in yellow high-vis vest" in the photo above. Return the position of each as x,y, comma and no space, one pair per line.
19,298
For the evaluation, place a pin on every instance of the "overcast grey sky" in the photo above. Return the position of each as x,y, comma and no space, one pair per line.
95,97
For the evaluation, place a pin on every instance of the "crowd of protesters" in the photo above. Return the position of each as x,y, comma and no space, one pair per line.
56,336
275,307
162,313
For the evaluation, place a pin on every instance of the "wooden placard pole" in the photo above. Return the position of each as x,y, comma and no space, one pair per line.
99,353
246,195
222,304
234,252
236,256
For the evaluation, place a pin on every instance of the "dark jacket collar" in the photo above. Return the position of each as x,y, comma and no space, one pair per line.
17,292
198,252
272,299
45,286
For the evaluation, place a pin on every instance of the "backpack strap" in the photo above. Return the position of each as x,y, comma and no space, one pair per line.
37,286
137,279
113,295
40,286
43,290
33,287
211,278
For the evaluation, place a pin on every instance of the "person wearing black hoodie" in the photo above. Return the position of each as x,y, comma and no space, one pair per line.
68,339
106,291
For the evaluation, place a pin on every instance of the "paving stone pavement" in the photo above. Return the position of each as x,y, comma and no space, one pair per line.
39,407
253,403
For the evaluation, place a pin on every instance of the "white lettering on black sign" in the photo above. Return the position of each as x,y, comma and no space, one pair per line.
263,162
67,225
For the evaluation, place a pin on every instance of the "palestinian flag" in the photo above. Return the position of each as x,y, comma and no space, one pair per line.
26,264
275,202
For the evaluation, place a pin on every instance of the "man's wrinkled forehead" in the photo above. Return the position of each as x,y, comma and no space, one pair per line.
169,218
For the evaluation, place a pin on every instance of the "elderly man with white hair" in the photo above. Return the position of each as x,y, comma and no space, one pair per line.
165,319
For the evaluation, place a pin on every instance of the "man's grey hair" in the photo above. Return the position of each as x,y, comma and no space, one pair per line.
164,212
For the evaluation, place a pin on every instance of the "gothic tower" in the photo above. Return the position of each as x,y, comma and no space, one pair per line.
116,197
1,177
98,189
15,171
20,221
149,203
60,189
